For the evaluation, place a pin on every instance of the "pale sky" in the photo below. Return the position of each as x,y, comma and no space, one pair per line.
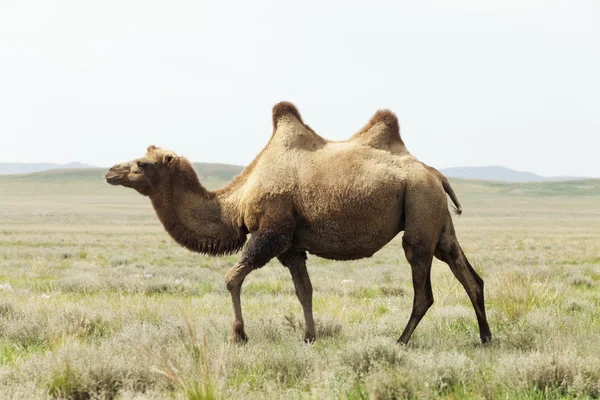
513,83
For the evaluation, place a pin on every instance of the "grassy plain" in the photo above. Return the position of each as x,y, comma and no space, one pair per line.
96,301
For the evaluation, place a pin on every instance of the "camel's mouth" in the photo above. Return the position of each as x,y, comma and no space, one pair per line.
112,178
115,175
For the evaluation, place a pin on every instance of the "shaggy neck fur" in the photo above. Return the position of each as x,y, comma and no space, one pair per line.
194,217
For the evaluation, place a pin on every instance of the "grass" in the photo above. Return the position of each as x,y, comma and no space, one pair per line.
97,302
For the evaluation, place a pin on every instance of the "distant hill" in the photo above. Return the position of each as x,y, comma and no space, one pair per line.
214,173
27,168
225,172
217,172
90,180
499,173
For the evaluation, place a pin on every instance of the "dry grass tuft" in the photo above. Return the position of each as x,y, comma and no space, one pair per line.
364,357
196,378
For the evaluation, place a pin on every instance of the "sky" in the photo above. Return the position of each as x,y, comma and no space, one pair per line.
512,83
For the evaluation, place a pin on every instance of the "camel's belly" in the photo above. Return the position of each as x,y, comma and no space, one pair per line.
351,248
347,239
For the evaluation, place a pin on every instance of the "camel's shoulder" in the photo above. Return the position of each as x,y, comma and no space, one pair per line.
381,132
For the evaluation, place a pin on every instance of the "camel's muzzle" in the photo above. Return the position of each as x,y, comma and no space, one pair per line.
114,176
113,179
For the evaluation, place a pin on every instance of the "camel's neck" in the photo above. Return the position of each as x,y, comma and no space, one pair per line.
199,220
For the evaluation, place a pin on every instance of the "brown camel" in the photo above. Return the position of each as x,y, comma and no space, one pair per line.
302,193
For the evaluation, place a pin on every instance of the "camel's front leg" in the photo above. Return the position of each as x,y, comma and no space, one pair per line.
295,261
261,248
234,279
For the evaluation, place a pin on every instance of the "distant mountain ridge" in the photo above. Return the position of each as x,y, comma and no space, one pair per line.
213,176
212,172
499,173
225,172
207,170
27,168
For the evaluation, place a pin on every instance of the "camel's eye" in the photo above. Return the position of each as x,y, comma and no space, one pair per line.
142,164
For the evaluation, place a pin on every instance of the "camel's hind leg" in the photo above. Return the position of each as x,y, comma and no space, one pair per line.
449,251
295,261
419,255
423,208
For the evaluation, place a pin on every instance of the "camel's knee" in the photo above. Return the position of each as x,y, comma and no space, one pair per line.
235,277
304,292
479,281
421,306
230,286
447,246
308,290
464,263
230,280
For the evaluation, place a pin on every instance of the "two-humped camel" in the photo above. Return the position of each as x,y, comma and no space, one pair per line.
303,193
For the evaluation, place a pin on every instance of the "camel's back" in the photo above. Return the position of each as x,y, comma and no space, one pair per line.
346,174
296,156
347,198
301,161
319,176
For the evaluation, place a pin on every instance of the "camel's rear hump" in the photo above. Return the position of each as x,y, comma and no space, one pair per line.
382,132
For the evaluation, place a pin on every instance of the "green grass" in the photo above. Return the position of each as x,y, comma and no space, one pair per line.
96,301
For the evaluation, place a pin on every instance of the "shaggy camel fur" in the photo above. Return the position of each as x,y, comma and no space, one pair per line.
337,200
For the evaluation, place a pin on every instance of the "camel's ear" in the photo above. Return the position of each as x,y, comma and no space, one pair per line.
151,147
285,108
169,158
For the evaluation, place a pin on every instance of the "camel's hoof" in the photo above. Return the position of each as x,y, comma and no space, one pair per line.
239,338
310,339
239,335
486,340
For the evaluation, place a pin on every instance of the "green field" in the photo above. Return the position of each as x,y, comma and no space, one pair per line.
96,301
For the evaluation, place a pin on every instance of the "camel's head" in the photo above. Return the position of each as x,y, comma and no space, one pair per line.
144,174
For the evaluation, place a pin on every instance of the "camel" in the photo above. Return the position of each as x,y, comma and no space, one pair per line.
340,200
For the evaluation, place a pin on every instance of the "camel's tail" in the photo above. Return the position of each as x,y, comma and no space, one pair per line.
447,188
457,207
